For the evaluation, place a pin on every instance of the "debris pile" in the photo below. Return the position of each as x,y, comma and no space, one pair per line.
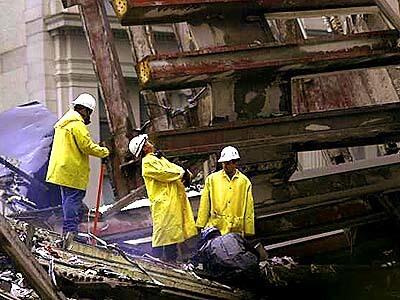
85,270
13,285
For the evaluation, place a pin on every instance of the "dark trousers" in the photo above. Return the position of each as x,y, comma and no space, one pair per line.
72,208
169,252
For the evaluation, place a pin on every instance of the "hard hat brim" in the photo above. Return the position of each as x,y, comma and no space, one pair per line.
226,160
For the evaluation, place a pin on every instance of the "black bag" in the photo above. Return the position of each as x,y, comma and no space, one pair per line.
227,258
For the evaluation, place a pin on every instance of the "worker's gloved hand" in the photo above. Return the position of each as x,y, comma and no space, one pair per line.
158,154
187,178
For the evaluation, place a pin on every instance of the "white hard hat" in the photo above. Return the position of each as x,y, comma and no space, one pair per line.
85,100
229,153
136,144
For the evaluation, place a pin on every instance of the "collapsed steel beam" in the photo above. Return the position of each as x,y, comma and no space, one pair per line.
184,69
344,181
328,226
135,12
344,196
331,129
108,69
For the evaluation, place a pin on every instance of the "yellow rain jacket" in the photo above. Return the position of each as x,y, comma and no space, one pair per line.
172,215
227,204
69,158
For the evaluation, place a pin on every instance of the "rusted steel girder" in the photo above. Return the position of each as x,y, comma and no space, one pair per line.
203,66
317,221
135,12
313,131
344,192
108,69
344,196
336,184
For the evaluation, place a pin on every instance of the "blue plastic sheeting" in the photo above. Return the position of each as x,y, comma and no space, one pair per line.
26,135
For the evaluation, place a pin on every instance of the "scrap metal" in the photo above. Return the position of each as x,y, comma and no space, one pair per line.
136,12
89,271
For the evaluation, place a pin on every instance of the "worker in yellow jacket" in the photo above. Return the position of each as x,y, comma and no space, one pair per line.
171,213
226,201
69,159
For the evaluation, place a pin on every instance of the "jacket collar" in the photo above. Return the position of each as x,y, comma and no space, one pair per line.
69,116
236,175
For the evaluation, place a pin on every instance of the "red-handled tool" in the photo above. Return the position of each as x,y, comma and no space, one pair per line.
99,190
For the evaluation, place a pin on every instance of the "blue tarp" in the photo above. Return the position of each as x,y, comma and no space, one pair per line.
26,134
